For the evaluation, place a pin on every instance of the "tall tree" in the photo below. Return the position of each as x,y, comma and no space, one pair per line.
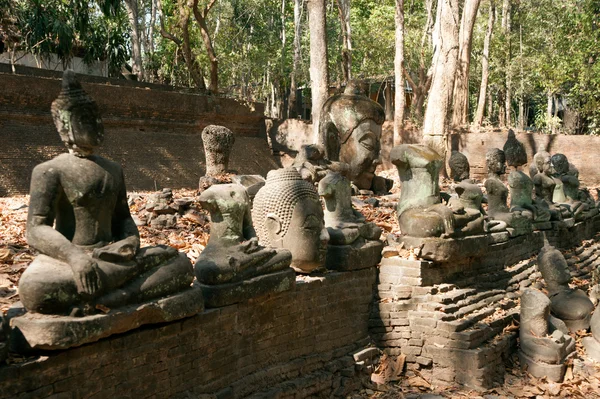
506,26
460,110
319,76
136,38
292,100
399,73
445,58
485,72
344,13
200,16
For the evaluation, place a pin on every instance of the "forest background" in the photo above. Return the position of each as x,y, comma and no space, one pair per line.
463,64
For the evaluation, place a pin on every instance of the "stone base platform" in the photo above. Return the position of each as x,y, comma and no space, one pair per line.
553,372
49,332
216,296
351,257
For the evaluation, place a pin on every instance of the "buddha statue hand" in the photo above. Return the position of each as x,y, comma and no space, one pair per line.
87,278
118,252
250,246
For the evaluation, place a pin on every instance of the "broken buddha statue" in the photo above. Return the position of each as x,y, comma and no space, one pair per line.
233,266
567,190
80,223
287,213
518,220
545,185
353,243
350,132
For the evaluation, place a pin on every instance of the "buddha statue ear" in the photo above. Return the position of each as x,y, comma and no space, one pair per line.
273,225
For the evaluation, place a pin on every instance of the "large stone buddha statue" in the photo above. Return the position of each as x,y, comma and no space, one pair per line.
546,184
350,132
287,213
79,221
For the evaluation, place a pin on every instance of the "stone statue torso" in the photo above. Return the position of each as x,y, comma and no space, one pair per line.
497,196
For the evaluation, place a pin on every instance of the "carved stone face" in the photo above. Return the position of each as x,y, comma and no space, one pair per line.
547,167
560,163
361,153
306,237
86,129
496,161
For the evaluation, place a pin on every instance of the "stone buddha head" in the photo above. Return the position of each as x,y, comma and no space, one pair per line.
350,131
287,213
560,164
543,162
77,117
459,166
495,161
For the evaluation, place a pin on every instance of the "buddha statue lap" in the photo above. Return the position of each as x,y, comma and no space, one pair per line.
544,340
287,213
233,266
354,243
517,219
90,256
569,305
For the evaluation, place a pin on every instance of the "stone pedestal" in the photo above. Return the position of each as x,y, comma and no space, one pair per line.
353,257
51,332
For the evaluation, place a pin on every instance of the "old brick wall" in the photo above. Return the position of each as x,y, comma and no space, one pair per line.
294,344
153,131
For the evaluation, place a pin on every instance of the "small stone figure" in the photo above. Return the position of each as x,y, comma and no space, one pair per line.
218,142
570,192
570,305
592,344
233,266
544,340
287,214
498,196
545,185
79,221
350,132
312,165
459,166
354,243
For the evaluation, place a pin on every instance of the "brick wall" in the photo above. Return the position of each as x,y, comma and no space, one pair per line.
154,132
294,344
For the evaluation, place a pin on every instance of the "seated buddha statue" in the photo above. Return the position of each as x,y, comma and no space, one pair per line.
80,223
519,219
232,256
287,213
569,193
545,186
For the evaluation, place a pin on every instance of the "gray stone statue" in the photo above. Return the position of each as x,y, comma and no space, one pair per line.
233,266
514,150
287,214
545,185
517,219
570,305
544,340
79,221
568,192
354,243
592,344
350,132
218,142
459,166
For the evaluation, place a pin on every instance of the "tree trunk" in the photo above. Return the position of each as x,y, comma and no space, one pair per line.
399,73
136,45
444,68
344,13
200,17
387,94
522,89
460,111
292,101
319,77
506,24
485,69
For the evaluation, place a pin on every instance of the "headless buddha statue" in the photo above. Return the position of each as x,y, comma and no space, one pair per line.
79,221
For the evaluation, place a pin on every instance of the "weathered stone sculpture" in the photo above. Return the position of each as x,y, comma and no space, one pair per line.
568,192
544,340
514,150
350,132
497,193
287,214
91,259
312,165
234,267
545,185
354,244
570,305
459,166
218,142
592,344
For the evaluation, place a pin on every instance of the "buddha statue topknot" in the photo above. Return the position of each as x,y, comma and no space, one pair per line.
90,256
287,213
233,266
